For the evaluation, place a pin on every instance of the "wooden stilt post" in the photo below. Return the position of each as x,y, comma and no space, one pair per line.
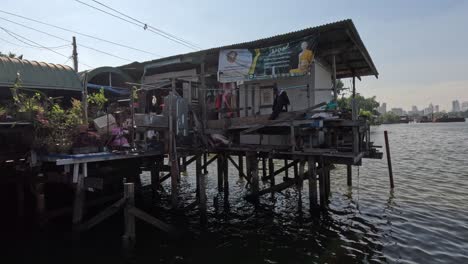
349,171
201,190
271,170
295,170
78,204
241,166
322,183
355,112
327,180
389,159
205,161
175,175
40,201
129,194
220,161
184,163
300,176
312,182
20,195
226,175
252,160
286,172
155,171
174,187
292,137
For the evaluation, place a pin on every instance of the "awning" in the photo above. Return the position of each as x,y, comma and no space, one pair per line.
38,75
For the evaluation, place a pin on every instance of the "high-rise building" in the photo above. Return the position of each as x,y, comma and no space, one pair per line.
397,111
464,106
455,106
414,109
436,109
382,109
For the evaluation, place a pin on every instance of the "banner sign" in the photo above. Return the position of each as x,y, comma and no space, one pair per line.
284,60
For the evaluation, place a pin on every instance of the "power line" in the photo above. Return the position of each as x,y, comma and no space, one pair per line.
149,26
145,26
32,46
19,37
57,37
79,33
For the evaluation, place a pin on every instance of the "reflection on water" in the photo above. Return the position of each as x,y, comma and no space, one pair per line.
425,219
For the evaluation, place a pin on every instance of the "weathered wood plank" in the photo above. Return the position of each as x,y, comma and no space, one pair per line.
152,221
103,215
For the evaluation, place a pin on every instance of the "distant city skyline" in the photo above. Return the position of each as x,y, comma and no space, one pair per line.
456,105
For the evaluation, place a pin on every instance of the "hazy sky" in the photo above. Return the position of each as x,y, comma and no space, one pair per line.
419,47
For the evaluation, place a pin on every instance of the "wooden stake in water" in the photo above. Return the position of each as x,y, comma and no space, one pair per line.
389,159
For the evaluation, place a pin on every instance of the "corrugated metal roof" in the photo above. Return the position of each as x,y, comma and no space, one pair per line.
38,75
331,34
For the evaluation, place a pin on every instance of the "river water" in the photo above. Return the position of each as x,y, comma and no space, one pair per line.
423,220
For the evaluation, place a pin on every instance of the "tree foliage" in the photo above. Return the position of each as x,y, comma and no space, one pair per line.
11,55
365,104
389,118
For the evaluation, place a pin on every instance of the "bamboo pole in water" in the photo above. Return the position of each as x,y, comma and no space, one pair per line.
389,159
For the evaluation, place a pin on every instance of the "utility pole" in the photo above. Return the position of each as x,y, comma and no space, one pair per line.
75,55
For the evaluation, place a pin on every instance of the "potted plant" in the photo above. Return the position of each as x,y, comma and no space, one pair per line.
96,103
26,106
57,128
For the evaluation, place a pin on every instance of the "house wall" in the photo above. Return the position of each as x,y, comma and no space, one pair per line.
320,79
263,93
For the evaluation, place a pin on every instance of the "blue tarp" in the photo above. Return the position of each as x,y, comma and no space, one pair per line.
117,90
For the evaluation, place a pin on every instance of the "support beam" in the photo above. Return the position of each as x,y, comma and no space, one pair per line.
355,112
278,187
253,100
246,100
335,92
238,167
202,94
284,169
103,215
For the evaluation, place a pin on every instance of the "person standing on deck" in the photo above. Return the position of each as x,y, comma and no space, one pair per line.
280,103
